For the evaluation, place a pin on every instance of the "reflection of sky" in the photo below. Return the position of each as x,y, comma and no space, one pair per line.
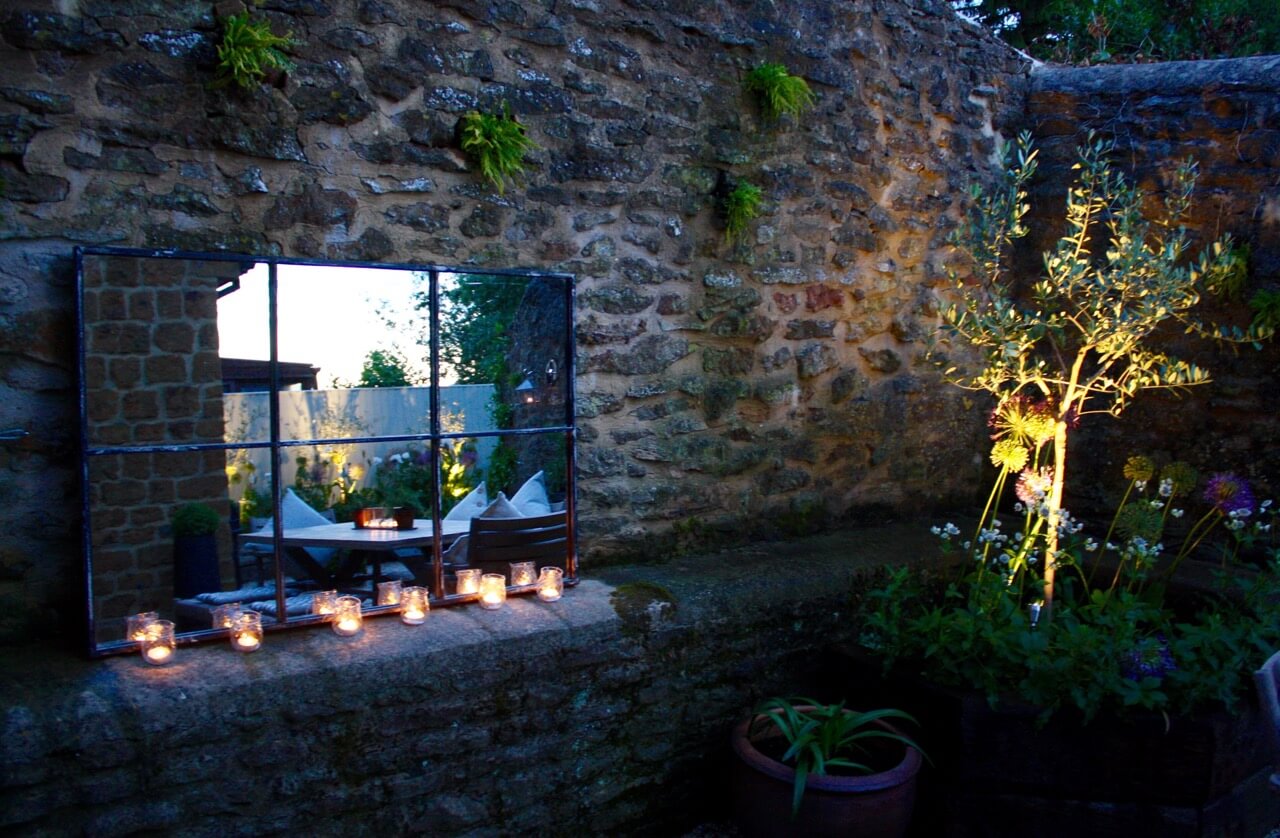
330,318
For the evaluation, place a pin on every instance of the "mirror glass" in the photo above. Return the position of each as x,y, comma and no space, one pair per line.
219,390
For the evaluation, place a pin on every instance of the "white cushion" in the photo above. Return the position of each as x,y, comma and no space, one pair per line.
500,508
296,512
532,499
470,506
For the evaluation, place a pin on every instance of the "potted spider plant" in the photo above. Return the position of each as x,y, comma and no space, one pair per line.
813,769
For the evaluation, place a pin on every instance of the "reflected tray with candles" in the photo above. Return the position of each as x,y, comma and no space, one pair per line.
384,518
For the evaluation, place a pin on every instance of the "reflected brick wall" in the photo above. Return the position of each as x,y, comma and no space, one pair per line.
152,377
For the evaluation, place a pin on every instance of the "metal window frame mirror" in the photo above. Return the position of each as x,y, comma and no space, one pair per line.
376,407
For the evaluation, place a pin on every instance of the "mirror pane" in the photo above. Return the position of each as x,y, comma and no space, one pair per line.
152,368
162,531
354,343
506,336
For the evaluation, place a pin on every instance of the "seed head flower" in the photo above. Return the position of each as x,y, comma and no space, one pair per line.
1181,476
1139,468
1031,423
1228,493
1009,454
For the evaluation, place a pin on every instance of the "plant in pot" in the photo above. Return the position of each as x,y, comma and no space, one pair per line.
195,550
808,768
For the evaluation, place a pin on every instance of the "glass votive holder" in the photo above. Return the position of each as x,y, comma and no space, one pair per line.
246,631
324,603
389,592
225,615
468,581
346,616
135,627
493,591
414,605
523,573
550,584
158,644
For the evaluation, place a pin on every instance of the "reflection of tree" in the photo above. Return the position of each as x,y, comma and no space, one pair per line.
385,368
476,315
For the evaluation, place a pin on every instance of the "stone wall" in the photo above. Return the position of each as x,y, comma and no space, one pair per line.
758,387
1226,116
602,714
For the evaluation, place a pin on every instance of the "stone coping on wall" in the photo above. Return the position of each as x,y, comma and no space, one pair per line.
1168,78
51,698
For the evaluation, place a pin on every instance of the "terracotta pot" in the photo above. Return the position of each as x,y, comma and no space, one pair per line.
869,806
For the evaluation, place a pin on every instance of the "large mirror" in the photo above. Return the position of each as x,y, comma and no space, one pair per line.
259,431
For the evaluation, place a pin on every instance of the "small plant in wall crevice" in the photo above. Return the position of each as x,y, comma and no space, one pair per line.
741,207
249,51
779,92
497,143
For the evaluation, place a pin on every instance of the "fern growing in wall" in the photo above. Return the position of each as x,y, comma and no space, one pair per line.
249,50
741,207
497,144
778,91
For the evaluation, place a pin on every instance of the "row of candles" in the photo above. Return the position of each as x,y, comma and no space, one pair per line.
157,643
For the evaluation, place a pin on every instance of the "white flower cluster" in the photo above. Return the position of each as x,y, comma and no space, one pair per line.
945,532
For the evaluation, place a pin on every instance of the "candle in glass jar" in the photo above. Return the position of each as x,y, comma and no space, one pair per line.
493,591
136,626
389,592
550,584
158,645
413,605
246,631
522,573
347,620
468,580
324,603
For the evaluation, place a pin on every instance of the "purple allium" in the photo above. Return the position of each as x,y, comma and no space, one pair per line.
1151,659
1228,493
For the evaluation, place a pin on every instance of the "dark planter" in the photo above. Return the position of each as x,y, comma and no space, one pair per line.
872,806
195,565
999,772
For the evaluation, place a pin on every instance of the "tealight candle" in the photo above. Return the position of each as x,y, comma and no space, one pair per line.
324,603
468,580
522,573
493,591
225,615
135,627
550,584
389,592
346,616
414,606
158,645
246,632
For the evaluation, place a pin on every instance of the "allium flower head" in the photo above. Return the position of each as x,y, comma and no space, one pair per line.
1009,454
1139,468
1228,493
1034,486
1030,423
1181,476
1140,520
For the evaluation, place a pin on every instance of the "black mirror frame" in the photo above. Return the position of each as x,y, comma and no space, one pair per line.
433,437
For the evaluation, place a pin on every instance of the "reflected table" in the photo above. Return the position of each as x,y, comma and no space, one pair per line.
359,547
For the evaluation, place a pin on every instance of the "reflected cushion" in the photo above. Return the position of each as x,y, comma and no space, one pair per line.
532,499
501,508
296,512
470,506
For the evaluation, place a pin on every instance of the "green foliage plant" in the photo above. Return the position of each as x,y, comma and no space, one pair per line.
741,207
384,368
1266,308
1081,339
497,143
778,91
820,737
194,519
249,50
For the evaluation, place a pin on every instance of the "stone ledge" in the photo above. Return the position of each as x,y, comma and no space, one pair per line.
440,721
